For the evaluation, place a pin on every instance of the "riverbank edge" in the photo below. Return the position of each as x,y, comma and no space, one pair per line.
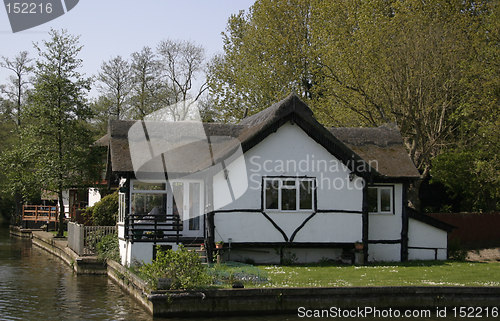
58,247
234,302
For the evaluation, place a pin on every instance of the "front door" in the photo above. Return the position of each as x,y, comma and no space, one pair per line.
188,204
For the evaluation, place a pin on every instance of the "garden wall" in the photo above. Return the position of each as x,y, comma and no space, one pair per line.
473,230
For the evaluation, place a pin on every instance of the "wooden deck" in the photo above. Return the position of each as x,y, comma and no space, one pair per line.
40,213
45,213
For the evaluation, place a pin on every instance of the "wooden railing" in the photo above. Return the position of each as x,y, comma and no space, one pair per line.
45,213
153,228
40,213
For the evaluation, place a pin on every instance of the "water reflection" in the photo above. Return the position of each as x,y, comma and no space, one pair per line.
37,286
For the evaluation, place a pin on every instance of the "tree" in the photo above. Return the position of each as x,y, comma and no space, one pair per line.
14,164
56,131
146,85
22,68
267,55
470,169
116,84
181,62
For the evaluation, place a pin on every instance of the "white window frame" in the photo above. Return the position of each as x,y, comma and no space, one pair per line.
281,186
121,207
141,191
379,199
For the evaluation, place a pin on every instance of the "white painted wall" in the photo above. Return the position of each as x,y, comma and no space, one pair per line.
272,255
254,227
65,195
424,235
138,252
387,226
122,246
291,152
94,196
121,230
384,252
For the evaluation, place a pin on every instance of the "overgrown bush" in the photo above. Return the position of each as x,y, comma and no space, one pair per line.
455,251
107,248
87,215
92,239
182,268
105,211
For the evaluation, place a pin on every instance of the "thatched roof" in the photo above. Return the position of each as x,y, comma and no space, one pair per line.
382,147
350,145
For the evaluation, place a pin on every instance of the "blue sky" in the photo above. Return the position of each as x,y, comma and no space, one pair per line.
113,27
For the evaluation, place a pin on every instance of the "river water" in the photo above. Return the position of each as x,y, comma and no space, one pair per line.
34,285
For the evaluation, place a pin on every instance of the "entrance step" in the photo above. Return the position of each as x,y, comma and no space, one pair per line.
202,252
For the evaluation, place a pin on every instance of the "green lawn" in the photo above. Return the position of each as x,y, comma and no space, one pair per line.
392,274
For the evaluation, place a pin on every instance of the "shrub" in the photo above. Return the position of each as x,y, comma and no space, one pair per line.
182,268
92,239
105,211
455,251
87,215
107,248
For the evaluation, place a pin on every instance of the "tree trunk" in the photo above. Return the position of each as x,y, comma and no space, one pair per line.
18,199
60,230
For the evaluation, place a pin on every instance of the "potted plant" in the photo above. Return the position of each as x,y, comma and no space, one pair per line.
218,245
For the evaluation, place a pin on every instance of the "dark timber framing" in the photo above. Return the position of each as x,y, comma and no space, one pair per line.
365,223
404,225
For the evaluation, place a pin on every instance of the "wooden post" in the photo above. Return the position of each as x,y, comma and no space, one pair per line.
365,222
210,236
404,226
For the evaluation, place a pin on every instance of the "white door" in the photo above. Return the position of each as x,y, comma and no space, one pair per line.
188,203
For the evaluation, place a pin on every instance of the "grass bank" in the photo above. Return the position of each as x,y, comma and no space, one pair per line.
431,273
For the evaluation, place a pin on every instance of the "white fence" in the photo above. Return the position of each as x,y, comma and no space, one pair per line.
83,239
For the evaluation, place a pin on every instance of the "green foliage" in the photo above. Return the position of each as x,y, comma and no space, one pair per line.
87,215
471,177
182,267
56,132
105,212
92,239
107,248
455,251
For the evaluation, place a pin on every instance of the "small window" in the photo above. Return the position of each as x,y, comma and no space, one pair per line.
306,195
289,194
380,199
140,186
272,191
